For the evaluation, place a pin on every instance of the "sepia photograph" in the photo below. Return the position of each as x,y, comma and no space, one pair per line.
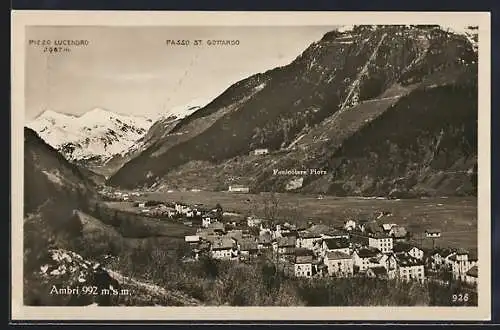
266,165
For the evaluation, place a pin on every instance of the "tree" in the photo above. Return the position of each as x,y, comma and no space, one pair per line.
271,207
219,212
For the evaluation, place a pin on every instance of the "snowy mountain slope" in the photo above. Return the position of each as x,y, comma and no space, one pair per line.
184,110
95,136
168,119
161,126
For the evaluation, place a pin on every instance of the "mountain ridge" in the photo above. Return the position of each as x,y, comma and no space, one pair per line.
275,108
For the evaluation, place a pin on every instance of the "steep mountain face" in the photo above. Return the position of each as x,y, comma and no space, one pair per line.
380,109
55,194
53,189
49,177
92,138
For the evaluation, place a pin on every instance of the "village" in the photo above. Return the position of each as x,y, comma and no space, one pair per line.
359,247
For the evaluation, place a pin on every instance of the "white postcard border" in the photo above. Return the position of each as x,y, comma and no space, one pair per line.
21,19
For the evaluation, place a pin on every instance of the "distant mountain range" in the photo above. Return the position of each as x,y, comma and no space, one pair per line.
101,139
383,110
94,137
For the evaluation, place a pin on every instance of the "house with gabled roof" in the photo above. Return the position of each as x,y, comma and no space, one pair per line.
441,258
350,225
286,245
303,266
224,248
217,227
336,244
409,268
339,264
264,241
463,260
377,272
363,258
433,233
381,241
471,275
409,249
248,247
387,227
307,239
388,261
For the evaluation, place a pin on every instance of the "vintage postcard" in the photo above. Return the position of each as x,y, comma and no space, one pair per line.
250,166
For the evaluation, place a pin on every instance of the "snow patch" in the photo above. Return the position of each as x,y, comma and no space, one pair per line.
345,28
260,87
55,177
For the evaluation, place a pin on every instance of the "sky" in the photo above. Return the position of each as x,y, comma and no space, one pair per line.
131,70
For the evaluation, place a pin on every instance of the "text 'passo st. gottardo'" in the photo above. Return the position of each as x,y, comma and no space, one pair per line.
202,42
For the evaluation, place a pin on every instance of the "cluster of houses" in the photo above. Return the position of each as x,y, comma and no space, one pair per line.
365,248
117,195
191,215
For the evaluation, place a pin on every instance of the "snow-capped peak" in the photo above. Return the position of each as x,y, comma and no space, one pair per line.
96,112
470,32
98,134
52,116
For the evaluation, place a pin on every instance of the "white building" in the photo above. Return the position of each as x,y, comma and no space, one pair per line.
442,258
388,261
388,226
303,266
382,242
253,222
339,264
432,233
350,225
192,239
262,151
364,258
182,209
306,240
221,253
238,188
461,264
206,221
411,250
409,268
224,249
471,275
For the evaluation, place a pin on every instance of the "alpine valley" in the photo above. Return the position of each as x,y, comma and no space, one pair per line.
367,111
383,110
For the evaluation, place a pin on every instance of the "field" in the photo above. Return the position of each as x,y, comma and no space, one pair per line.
455,217
131,224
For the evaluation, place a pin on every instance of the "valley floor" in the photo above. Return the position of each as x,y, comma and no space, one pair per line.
456,217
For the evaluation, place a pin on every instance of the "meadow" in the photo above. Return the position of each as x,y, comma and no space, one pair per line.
456,217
